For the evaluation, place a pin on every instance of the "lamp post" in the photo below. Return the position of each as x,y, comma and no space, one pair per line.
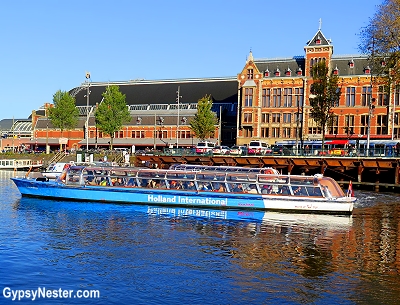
47,132
87,109
371,100
177,122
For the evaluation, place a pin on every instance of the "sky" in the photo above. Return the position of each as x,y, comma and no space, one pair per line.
49,45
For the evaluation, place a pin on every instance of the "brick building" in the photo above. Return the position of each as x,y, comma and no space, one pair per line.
274,98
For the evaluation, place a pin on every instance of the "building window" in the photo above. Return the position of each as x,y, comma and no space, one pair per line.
277,98
275,132
264,117
183,134
314,130
350,96
248,131
119,134
364,124
365,95
276,118
349,124
298,95
250,74
277,72
334,128
286,132
266,73
247,117
265,132
297,117
287,118
138,134
266,98
248,97
397,95
381,123
287,97
288,72
382,96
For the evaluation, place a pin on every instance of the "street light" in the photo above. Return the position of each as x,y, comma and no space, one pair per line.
87,109
177,122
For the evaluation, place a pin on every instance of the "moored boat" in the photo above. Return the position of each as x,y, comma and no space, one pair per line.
200,188
19,164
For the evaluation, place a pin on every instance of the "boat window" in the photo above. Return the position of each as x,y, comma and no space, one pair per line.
314,191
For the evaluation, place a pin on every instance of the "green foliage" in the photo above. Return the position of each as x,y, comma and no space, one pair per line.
112,113
203,124
325,93
380,40
64,114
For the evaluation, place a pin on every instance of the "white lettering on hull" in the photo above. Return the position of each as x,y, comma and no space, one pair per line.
187,200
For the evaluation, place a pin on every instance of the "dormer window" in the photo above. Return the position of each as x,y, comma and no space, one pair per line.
299,71
367,70
139,120
288,72
351,63
318,40
250,74
277,72
266,73
336,71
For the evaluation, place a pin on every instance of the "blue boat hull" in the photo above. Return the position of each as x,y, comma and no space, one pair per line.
56,190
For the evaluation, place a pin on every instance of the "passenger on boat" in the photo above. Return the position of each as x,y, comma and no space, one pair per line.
131,182
253,189
267,189
173,184
119,182
238,188
299,191
90,181
103,181
285,190
190,186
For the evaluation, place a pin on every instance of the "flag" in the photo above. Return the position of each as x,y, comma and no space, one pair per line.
350,192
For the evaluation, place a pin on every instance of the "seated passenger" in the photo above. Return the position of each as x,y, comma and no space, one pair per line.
298,191
266,189
90,181
119,182
103,182
131,182
190,186
238,188
253,189
221,188
285,190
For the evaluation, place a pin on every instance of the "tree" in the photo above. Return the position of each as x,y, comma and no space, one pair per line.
64,114
204,121
325,93
112,112
380,39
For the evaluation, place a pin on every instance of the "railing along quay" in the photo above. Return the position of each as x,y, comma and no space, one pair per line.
365,172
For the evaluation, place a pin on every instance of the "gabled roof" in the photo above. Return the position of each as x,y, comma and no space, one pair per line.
319,40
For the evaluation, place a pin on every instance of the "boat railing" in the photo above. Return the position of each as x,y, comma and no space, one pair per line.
252,183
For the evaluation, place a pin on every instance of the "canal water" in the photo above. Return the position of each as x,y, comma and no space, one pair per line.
135,254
